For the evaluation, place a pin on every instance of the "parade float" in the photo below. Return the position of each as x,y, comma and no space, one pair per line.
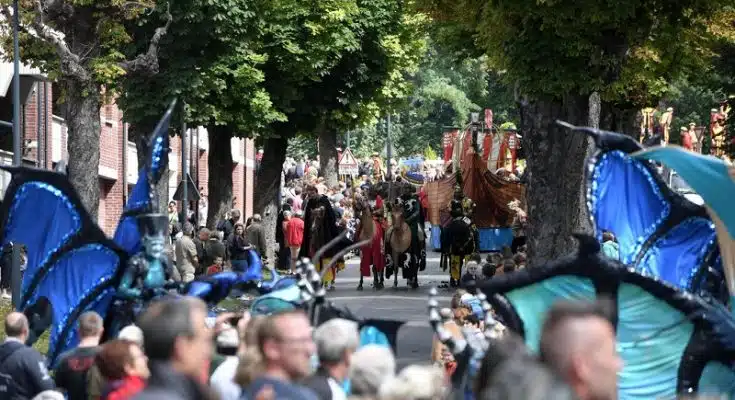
475,155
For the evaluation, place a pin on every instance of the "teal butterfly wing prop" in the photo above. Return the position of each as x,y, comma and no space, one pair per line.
670,340
659,232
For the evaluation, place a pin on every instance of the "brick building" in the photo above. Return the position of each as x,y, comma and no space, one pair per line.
44,146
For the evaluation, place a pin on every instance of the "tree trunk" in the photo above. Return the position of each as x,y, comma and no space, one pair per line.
555,159
328,155
140,134
220,173
266,192
82,114
593,120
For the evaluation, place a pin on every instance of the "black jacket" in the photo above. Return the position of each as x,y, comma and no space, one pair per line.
167,384
319,384
26,369
238,247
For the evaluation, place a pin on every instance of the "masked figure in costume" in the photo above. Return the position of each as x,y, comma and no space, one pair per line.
148,271
460,236
320,227
148,274
415,216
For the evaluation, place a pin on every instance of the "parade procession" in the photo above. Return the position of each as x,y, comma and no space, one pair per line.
383,200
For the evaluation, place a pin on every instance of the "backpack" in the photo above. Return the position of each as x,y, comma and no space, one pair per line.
7,383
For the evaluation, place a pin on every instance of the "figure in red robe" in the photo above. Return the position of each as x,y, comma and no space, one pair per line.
372,255
686,139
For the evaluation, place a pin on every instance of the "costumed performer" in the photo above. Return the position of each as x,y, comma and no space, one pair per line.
378,169
466,206
372,255
415,217
461,207
320,227
148,274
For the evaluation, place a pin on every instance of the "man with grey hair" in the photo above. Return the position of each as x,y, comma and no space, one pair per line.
336,340
187,260
23,372
371,366
256,235
227,226
415,382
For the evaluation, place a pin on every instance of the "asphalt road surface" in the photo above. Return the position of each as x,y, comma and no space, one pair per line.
400,303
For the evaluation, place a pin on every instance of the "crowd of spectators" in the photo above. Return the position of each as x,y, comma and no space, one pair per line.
176,352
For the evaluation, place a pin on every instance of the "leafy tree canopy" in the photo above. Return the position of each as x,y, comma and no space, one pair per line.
84,39
625,50
239,63
447,88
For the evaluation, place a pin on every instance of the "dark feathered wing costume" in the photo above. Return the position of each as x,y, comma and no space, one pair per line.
329,226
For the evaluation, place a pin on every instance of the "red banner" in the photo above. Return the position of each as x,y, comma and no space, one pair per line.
488,118
448,144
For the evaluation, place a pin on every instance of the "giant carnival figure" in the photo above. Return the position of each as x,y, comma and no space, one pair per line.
369,212
459,237
671,288
405,245
74,267
320,227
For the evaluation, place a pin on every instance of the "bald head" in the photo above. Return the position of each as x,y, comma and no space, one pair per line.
16,325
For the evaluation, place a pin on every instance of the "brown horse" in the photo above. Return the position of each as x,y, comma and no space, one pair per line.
372,255
398,240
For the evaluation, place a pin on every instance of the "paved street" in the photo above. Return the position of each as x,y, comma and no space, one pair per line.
401,303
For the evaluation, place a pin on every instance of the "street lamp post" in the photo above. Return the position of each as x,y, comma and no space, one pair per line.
184,168
389,150
15,264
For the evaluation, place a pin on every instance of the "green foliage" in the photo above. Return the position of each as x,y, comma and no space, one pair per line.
279,67
429,153
368,77
211,59
302,146
692,103
446,89
95,31
626,50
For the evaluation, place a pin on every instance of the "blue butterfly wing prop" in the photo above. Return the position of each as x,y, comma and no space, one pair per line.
71,265
659,232
140,200
670,341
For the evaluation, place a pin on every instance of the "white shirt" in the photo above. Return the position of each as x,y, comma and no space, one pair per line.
222,379
337,392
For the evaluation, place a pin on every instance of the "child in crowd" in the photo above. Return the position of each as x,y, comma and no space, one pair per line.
216,267
520,260
610,246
